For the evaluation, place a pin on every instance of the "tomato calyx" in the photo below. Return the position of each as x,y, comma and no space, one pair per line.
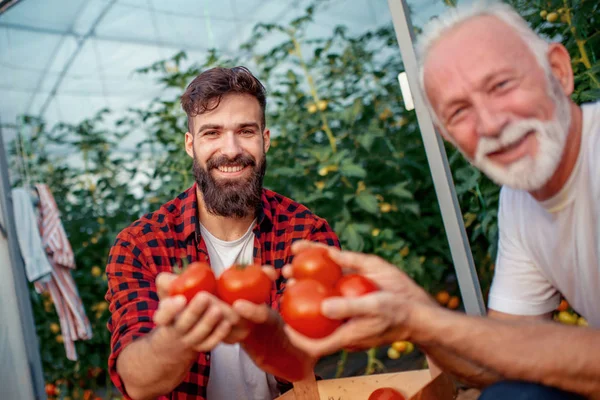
197,277
244,282
241,266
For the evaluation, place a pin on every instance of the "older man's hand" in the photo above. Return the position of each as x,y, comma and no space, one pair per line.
374,319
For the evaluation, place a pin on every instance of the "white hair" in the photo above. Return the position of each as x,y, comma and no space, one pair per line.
456,16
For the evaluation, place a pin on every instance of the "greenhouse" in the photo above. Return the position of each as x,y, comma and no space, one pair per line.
97,97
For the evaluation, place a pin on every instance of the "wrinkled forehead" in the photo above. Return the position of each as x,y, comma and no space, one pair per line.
229,111
472,55
475,48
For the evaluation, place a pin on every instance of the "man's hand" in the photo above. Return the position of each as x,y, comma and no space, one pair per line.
269,346
199,325
387,276
374,319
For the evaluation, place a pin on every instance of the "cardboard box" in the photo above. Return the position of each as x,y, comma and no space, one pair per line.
414,385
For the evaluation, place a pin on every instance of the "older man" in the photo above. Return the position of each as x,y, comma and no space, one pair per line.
500,94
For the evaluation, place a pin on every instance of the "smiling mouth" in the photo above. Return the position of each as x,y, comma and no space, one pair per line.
230,168
510,147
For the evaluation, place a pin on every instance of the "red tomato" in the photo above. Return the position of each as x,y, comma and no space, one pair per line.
354,285
197,277
301,308
314,263
386,393
51,389
244,282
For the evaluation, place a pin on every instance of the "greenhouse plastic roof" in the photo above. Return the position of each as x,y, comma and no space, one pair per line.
66,63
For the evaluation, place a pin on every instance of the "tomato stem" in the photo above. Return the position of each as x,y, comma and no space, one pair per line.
313,91
373,364
108,394
341,364
585,60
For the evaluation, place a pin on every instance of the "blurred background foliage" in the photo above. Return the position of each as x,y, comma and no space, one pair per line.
342,144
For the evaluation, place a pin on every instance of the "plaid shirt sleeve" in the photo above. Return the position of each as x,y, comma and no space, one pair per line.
322,232
132,298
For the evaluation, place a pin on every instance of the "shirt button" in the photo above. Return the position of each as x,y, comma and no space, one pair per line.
207,357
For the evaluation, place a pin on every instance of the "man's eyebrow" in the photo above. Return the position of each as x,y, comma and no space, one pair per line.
490,76
248,125
209,126
220,127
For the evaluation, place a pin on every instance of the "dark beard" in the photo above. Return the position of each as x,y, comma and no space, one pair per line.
236,198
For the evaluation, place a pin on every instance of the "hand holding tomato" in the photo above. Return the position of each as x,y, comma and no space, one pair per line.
197,324
316,278
374,318
301,308
197,277
269,347
355,285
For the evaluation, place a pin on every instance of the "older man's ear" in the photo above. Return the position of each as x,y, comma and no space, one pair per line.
560,64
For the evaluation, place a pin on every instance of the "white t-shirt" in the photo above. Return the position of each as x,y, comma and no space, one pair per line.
233,374
550,248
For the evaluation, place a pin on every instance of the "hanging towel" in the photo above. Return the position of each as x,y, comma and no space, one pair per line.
53,232
28,235
73,320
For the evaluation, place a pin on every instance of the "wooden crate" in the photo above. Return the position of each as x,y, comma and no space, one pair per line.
414,385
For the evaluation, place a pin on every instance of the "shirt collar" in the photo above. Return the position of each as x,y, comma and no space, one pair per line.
188,207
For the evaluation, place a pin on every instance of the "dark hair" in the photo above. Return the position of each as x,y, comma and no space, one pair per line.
212,84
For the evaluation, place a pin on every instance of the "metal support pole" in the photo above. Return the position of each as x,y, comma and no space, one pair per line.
21,374
438,165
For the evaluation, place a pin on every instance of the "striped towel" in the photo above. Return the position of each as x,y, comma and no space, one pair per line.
74,323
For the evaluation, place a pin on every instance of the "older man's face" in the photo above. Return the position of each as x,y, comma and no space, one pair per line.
496,103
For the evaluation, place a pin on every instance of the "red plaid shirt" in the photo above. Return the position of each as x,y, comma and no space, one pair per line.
157,242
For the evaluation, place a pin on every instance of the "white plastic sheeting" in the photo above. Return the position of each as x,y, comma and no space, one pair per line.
67,59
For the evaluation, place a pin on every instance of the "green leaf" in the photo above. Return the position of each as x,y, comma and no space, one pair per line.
363,228
352,113
351,236
318,195
590,95
401,192
412,208
367,202
352,170
340,156
287,171
366,140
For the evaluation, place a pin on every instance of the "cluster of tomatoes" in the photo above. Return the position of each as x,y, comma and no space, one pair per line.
444,299
318,277
399,348
566,315
53,392
247,282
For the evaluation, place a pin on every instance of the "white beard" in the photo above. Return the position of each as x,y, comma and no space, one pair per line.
529,173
